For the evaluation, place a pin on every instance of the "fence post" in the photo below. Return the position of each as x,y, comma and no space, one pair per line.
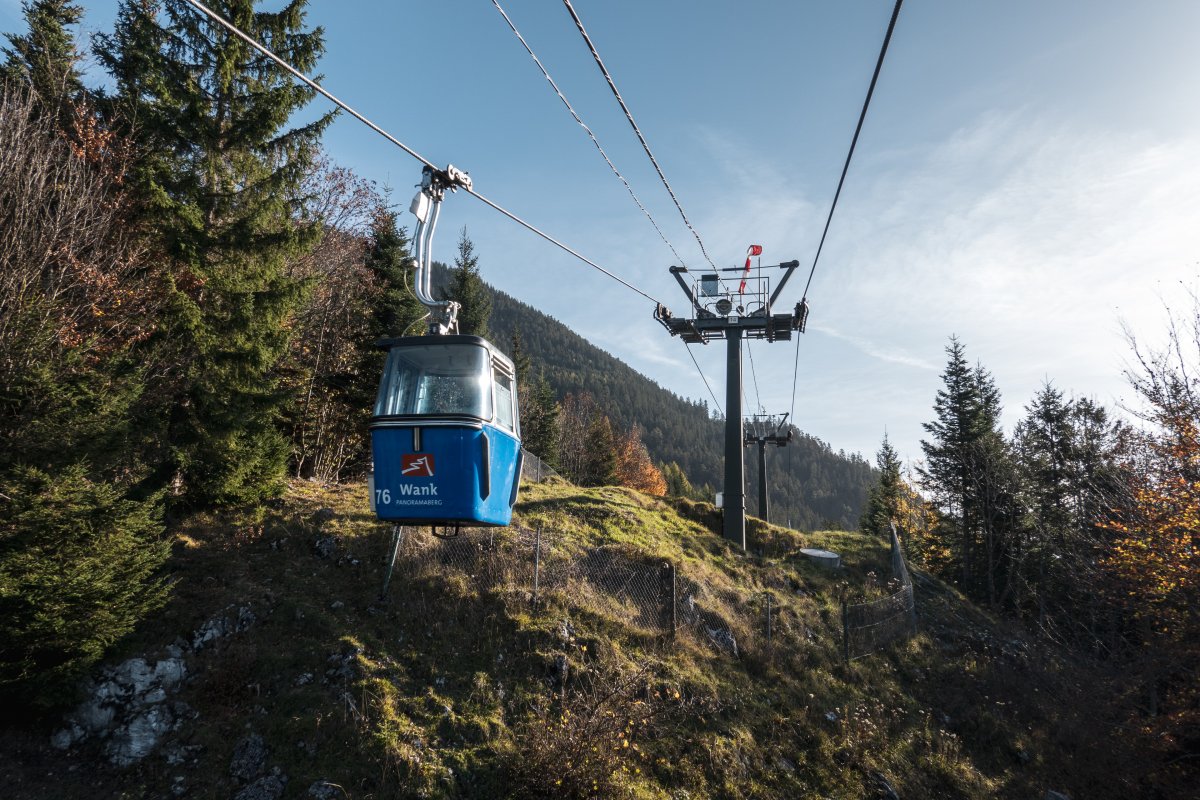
845,633
537,562
768,619
666,579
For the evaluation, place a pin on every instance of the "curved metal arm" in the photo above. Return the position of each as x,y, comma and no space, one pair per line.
426,207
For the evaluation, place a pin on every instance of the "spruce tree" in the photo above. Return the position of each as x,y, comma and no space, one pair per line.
966,466
46,58
678,484
395,308
539,408
219,173
78,557
884,499
522,363
600,453
468,289
539,427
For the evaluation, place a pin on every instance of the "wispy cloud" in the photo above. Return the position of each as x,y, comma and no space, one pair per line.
889,353
1030,240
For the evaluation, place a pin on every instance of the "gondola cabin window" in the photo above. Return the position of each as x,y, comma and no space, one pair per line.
504,402
437,380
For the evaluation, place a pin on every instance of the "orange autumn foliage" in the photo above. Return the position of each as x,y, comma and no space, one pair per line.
1156,556
635,469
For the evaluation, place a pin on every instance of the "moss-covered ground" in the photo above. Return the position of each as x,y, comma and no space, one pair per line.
458,687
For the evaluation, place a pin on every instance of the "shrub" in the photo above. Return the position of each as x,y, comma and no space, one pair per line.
78,568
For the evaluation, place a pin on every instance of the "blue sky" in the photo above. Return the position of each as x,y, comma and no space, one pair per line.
1027,179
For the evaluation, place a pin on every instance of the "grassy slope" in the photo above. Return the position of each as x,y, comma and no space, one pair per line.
449,690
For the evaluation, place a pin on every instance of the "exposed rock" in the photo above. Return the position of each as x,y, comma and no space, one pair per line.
724,640
325,546
323,515
1052,795
136,739
249,759
170,672
234,619
566,631
126,704
177,754
342,666
886,792
132,677
268,787
560,672
96,715
63,739
324,790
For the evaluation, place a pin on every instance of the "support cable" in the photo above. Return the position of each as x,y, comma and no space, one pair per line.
588,131
795,375
300,76
754,375
636,129
716,402
857,130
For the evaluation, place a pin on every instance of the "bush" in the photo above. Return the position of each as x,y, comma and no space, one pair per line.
78,570
585,745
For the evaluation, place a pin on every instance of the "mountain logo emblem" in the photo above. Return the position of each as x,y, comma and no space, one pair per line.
417,465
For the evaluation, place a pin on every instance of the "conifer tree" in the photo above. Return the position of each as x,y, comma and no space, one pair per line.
539,408
396,308
600,454
884,500
78,557
966,466
539,427
46,58
219,174
468,290
522,363
677,481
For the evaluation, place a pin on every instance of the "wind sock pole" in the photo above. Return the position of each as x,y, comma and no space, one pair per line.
718,311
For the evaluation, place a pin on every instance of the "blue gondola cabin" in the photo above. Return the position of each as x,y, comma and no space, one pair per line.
445,437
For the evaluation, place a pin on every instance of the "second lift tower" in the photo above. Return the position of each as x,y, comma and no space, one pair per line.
734,307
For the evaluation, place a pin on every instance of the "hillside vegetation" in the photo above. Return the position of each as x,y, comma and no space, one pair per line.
459,685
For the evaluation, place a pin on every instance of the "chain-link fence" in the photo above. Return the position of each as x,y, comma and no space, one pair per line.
616,581
868,627
534,469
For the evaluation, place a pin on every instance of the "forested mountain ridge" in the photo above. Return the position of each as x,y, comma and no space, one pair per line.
812,485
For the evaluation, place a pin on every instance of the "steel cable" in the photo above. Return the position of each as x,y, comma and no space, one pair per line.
857,130
215,17
629,116
588,131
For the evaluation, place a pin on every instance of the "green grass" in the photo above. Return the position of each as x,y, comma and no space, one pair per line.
449,688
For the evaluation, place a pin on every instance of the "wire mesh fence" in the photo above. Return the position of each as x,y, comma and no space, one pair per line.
871,626
616,581
534,469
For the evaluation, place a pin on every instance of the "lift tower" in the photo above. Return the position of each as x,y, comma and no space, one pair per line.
734,307
759,425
